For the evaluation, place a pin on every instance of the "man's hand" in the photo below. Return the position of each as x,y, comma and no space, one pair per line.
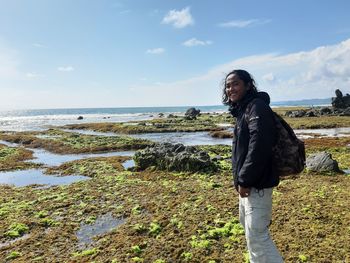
243,192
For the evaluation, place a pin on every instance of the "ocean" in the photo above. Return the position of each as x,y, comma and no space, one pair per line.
40,119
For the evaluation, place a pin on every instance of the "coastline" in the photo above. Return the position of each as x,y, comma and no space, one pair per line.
83,197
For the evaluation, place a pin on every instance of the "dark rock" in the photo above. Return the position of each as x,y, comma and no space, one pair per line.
80,118
345,112
174,157
340,101
322,162
161,115
340,107
192,113
288,113
338,93
310,114
325,111
296,114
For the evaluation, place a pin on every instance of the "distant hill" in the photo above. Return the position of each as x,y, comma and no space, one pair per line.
308,102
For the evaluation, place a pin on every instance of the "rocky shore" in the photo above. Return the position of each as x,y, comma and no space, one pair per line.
177,203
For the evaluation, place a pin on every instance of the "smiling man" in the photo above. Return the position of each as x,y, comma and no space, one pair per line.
254,178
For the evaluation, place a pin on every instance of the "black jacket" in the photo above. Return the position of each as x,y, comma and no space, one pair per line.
254,137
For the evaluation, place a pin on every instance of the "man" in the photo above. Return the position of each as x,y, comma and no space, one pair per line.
254,178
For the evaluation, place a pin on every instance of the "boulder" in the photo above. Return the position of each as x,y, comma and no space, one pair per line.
345,112
340,101
174,157
192,113
170,116
322,162
296,114
310,113
80,118
325,111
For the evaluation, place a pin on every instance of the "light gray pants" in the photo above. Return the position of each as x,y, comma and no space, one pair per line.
255,216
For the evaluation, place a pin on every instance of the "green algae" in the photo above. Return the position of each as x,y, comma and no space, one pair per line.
88,252
92,167
231,229
182,205
17,230
202,123
67,142
13,158
13,255
154,228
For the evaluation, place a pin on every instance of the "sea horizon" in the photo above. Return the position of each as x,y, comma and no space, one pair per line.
157,109
39,119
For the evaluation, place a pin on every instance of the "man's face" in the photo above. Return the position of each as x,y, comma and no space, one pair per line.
235,88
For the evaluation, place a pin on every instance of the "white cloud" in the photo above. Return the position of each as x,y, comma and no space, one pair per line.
38,45
33,75
195,42
245,23
156,51
65,68
302,75
268,77
179,19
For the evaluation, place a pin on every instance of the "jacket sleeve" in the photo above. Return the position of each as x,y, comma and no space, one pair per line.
261,140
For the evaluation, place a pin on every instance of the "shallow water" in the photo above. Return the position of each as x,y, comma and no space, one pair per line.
36,176
52,159
186,138
203,138
9,144
128,164
333,132
102,225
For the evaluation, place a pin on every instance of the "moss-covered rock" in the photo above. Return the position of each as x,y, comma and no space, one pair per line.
174,157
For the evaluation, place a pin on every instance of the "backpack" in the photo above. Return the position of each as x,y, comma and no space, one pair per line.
288,153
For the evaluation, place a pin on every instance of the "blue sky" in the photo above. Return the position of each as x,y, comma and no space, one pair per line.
119,53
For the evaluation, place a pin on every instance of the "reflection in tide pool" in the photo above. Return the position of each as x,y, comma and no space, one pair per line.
128,164
52,159
186,138
35,176
102,224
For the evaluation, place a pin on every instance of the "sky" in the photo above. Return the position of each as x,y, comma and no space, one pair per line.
134,53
